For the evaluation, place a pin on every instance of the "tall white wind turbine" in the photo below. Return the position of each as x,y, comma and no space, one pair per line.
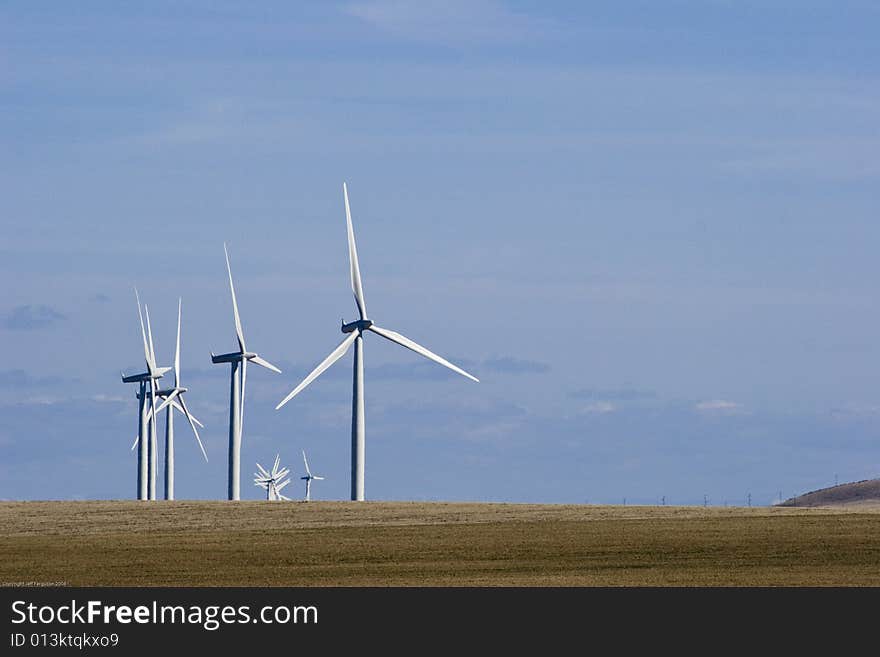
238,361
355,332
171,395
151,419
146,445
308,478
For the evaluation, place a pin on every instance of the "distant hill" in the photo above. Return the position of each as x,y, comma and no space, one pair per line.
859,493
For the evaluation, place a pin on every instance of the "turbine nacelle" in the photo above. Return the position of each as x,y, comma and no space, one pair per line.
136,378
145,376
233,357
359,325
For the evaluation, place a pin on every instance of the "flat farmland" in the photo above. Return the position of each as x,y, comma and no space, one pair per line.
121,543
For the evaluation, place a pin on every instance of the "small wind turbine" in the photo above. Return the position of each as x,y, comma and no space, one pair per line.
272,482
309,477
238,361
355,332
146,480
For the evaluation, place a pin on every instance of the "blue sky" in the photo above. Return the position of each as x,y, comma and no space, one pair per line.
649,228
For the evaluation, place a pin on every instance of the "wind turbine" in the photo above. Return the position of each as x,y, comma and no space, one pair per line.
238,361
272,481
171,395
355,332
146,485
309,477
153,393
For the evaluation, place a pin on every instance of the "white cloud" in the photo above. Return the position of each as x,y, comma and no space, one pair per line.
600,407
103,398
718,405
41,400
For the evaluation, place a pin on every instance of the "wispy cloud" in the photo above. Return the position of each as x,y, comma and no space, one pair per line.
600,407
448,21
615,394
29,317
103,398
718,405
100,297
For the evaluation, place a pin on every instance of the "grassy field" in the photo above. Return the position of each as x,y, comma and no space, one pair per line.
434,544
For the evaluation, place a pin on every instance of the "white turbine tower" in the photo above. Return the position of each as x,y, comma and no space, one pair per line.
146,486
308,478
355,331
238,361
272,482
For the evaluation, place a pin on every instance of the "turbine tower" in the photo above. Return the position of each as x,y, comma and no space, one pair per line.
272,481
309,477
146,447
238,361
355,332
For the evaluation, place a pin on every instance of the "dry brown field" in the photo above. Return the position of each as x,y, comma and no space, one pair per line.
118,543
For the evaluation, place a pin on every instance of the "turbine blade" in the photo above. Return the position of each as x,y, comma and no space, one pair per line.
194,418
238,331
338,353
192,424
308,472
278,487
135,443
419,349
356,286
264,363
263,470
277,463
177,348
143,330
150,335
318,478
